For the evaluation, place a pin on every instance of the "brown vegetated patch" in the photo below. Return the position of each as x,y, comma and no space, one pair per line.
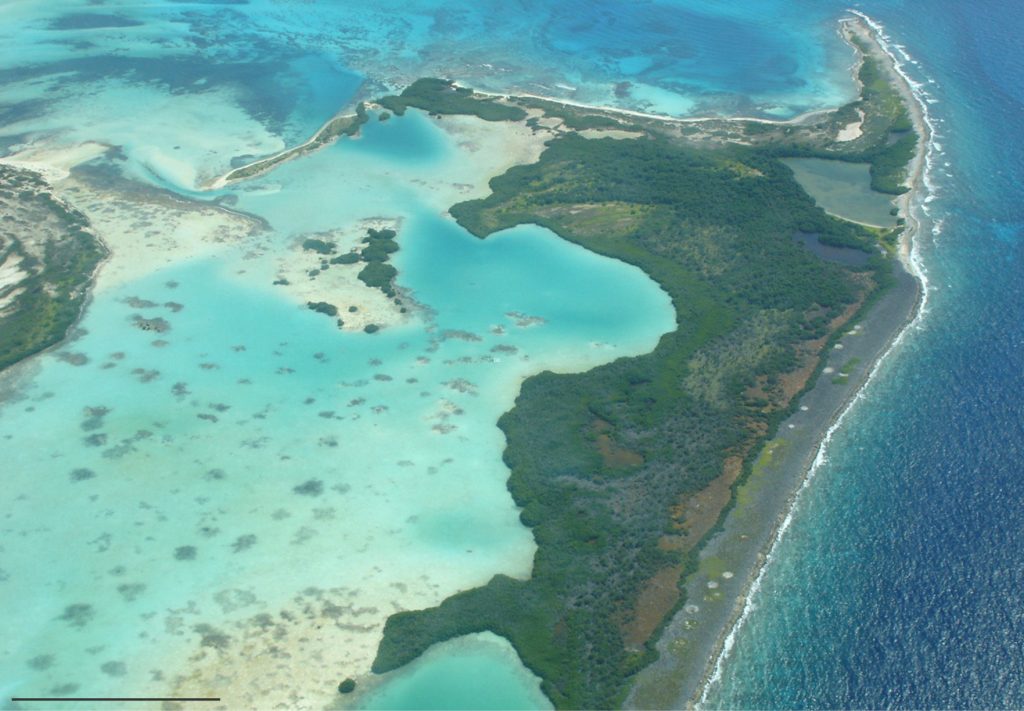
693,517
788,385
614,456
659,595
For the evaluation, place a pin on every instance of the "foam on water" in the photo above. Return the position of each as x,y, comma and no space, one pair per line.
920,221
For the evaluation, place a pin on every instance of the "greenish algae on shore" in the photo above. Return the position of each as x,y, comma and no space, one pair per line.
710,212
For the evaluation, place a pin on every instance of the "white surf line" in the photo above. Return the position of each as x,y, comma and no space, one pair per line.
654,117
917,269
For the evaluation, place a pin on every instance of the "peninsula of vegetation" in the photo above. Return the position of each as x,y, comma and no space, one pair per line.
48,254
623,472
345,125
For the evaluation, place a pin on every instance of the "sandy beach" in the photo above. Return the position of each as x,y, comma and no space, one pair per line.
148,229
664,118
700,636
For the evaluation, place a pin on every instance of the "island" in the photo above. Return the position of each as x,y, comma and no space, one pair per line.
652,484
624,472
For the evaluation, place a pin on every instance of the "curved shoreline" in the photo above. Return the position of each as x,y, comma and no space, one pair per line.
909,203
664,118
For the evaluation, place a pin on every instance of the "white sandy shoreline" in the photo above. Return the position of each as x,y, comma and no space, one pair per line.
909,202
796,120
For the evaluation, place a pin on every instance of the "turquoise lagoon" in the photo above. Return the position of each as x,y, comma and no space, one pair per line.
229,499
472,672
242,499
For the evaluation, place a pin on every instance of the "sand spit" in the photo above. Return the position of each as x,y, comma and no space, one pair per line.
54,164
662,118
324,136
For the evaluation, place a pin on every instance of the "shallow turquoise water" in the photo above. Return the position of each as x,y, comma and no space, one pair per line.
93,577
471,672
183,488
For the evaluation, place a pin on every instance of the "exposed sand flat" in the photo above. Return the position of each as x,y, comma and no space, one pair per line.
147,230
494,148
54,164
851,131
617,134
339,285
150,231
7,300
10,271
295,657
11,275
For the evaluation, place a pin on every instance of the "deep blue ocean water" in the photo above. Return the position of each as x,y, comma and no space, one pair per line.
899,582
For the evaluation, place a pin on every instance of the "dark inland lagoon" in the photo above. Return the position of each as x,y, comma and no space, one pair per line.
898,582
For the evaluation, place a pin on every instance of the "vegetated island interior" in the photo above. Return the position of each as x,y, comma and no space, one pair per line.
48,255
607,464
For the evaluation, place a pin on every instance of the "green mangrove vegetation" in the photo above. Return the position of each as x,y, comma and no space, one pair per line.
603,462
49,254
715,229
319,246
440,96
323,307
378,247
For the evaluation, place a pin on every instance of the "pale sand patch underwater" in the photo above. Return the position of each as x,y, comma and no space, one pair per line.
285,630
